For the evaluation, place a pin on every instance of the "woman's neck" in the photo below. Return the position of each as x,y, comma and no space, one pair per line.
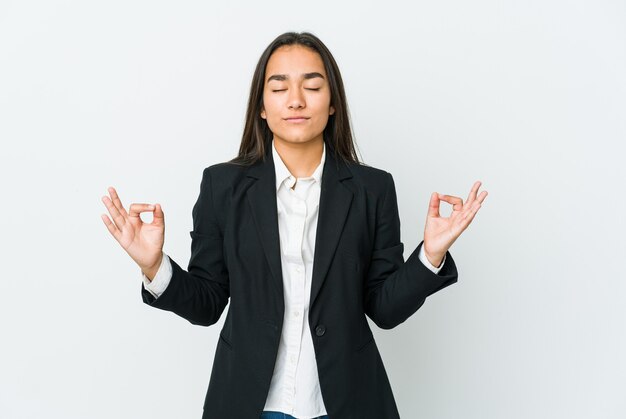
300,158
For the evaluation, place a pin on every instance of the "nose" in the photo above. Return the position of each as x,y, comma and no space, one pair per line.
296,99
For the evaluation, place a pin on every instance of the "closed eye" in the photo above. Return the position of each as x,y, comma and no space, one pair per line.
282,90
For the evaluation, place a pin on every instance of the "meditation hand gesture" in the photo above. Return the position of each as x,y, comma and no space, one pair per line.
142,241
440,232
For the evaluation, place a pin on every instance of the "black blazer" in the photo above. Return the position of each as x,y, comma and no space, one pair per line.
358,270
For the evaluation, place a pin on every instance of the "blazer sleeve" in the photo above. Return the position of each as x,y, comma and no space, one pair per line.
395,289
201,293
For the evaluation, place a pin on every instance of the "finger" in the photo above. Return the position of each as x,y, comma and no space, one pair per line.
116,201
118,218
469,215
135,209
111,227
158,217
455,201
433,205
472,195
482,196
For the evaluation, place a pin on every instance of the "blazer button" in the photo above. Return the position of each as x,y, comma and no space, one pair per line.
320,330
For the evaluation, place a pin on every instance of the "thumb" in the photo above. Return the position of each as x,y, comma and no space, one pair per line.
158,217
433,205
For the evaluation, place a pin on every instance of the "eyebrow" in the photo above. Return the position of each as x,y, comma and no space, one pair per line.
283,77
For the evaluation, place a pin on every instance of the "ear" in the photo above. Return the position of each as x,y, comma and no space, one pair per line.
263,113
332,110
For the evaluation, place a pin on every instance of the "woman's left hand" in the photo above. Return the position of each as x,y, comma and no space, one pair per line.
440,232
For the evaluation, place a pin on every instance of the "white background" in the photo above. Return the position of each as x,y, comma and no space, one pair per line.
528,97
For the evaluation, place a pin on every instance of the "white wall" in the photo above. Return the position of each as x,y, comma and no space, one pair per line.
528,97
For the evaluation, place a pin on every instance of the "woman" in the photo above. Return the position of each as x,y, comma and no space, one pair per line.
305,242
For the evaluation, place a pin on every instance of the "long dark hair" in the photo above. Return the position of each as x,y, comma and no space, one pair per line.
257,136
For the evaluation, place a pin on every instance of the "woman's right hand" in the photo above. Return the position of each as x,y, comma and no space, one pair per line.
142,241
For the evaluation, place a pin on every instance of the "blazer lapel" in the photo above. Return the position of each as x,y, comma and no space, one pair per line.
262,200
335,201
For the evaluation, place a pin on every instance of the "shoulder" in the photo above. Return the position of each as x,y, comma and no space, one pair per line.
223,175
225,169
372,179
366,172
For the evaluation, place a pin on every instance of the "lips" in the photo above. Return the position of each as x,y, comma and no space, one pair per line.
296,119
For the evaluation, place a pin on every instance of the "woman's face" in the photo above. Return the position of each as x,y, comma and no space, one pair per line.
296,96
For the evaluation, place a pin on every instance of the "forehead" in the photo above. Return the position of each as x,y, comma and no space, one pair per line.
294,61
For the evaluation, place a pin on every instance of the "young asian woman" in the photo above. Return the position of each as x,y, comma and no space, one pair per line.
303,239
